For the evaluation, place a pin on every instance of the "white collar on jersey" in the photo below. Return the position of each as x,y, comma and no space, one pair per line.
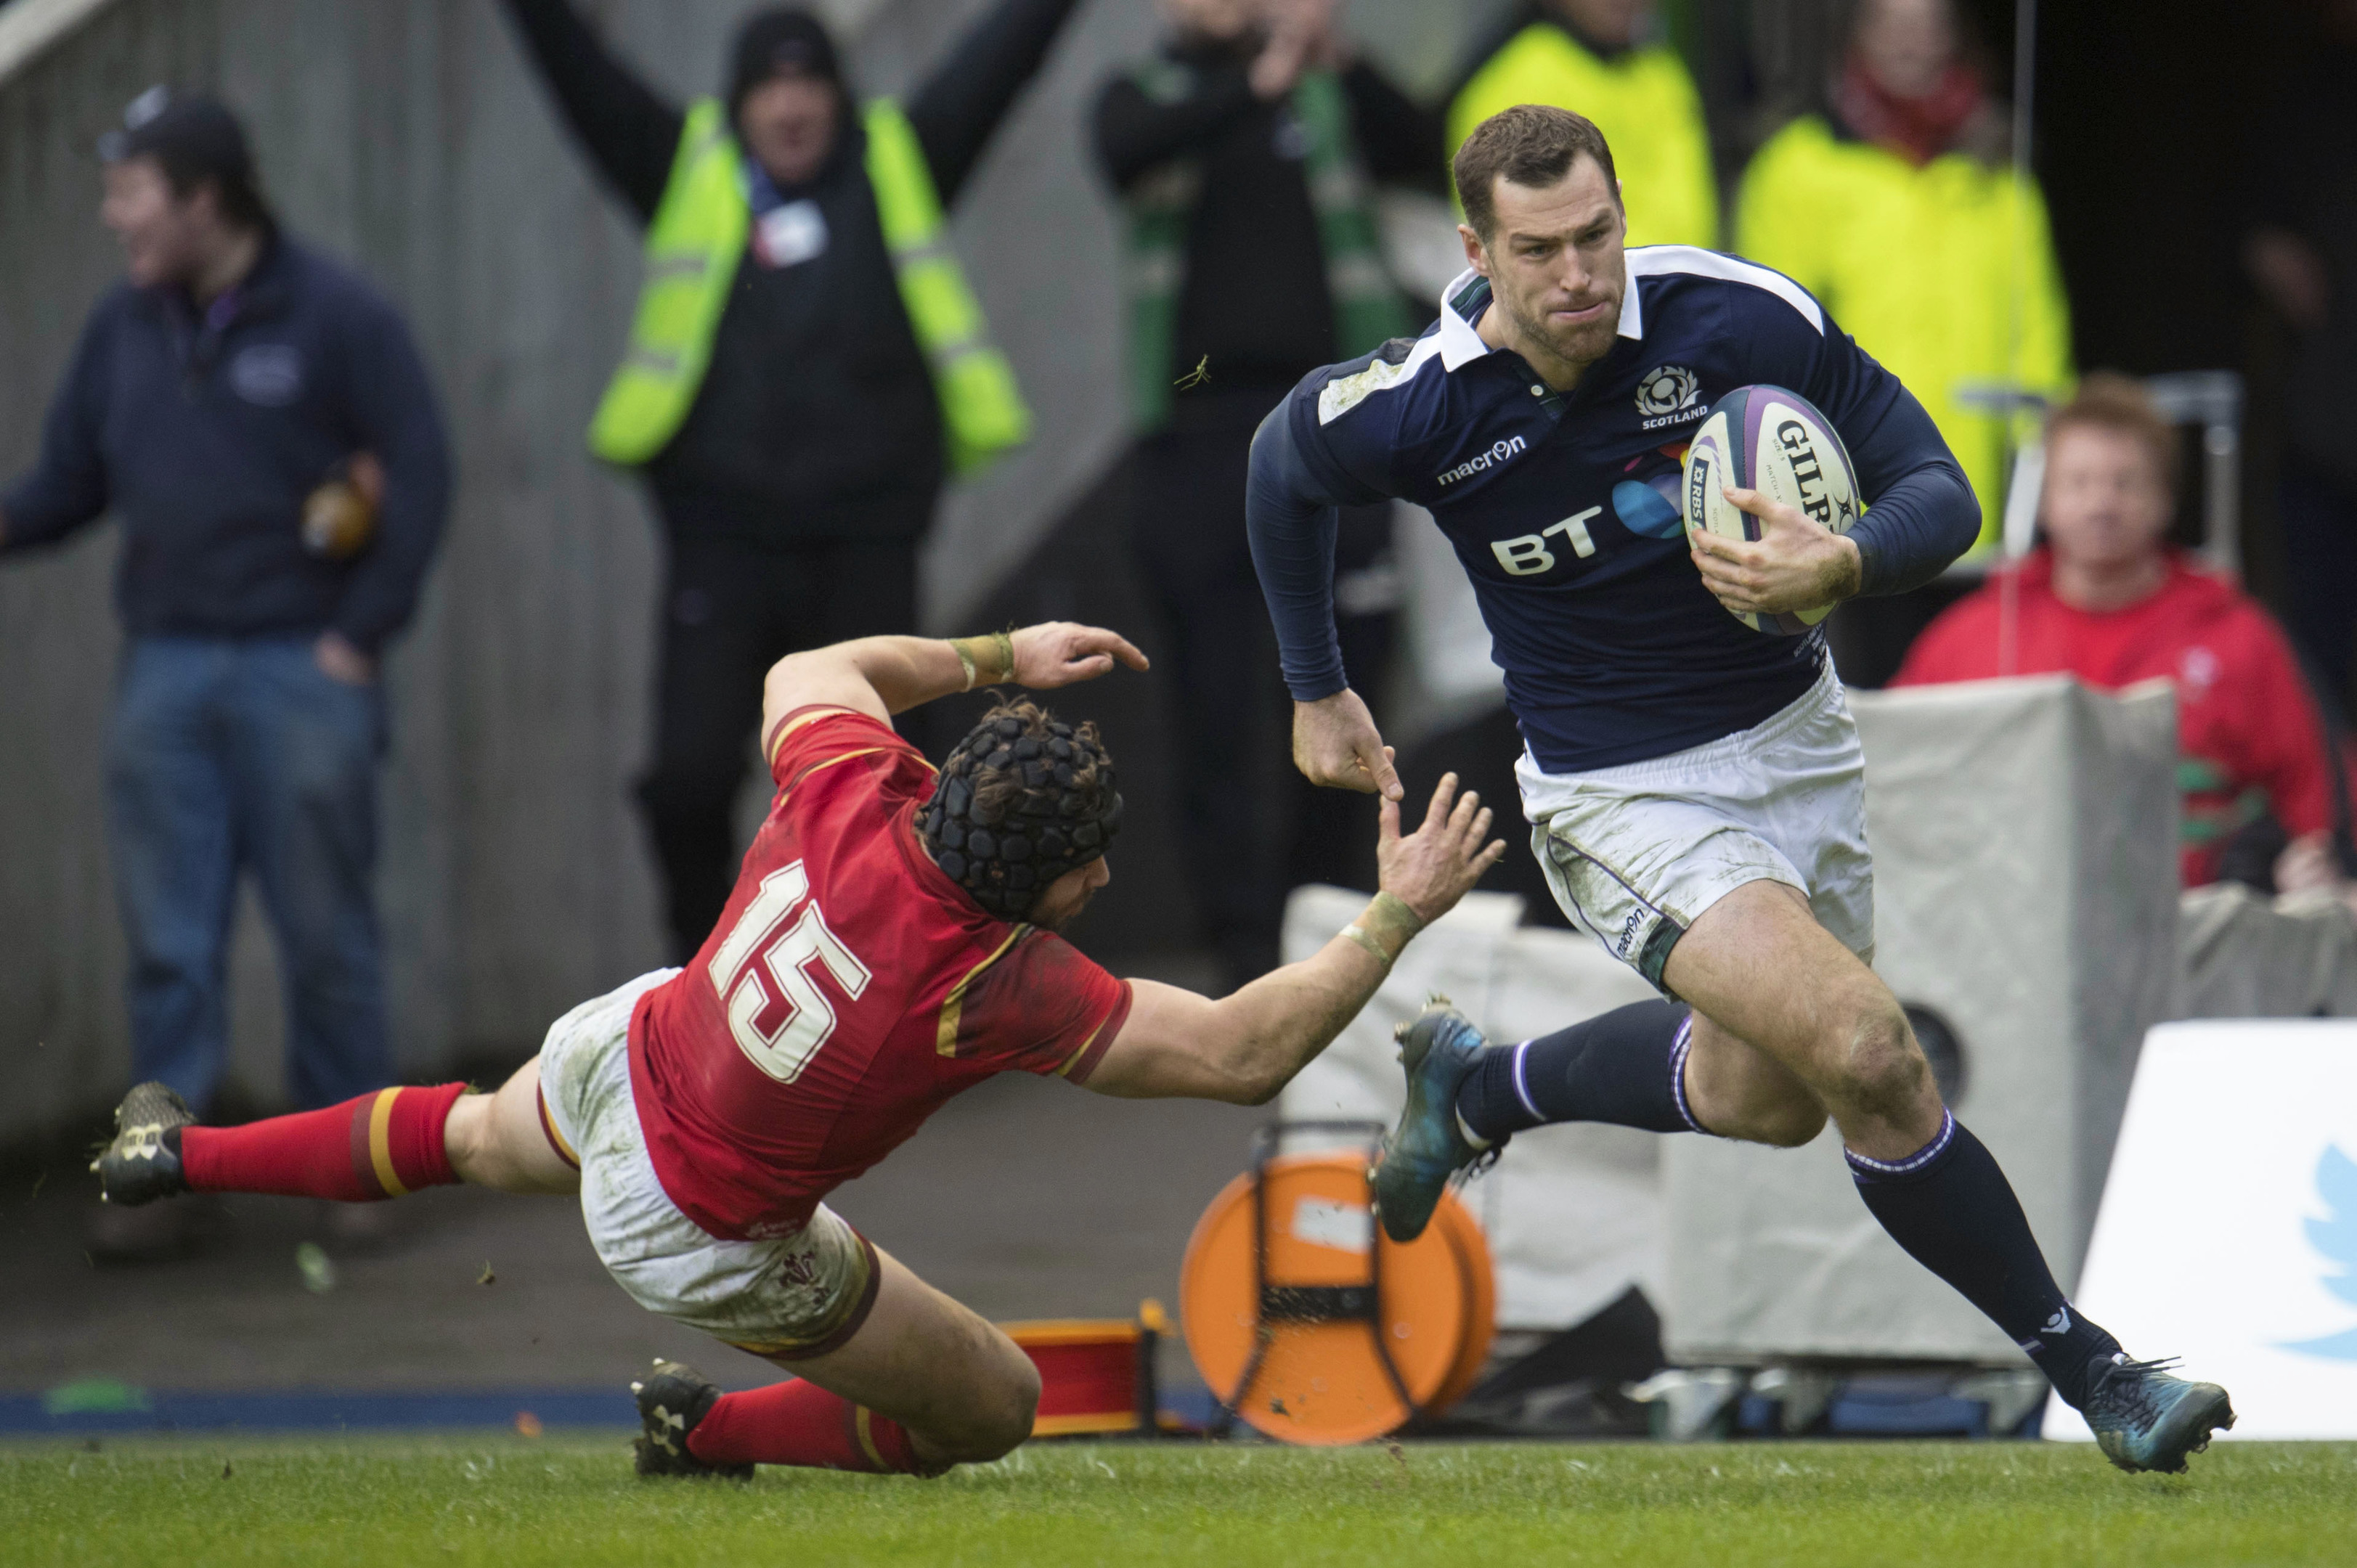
1460,344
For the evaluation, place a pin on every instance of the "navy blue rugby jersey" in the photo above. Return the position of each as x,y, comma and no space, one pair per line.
1563,509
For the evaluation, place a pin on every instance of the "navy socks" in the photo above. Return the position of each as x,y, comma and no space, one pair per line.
1953,1210
1626,1067
1947,1204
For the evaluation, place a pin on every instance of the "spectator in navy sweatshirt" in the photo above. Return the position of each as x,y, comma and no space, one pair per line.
257,417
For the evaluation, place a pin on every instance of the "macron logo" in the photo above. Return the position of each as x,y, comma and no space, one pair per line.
1512,446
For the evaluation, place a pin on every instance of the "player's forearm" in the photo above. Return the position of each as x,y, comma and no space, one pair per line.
1292,537
1277,1025
910,672
1923,514
1915,529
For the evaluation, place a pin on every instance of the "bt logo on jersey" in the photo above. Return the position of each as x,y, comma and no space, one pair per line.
1529,555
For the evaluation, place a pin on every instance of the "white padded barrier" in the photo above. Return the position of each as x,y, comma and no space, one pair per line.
2024,835
1573,1215
2024,844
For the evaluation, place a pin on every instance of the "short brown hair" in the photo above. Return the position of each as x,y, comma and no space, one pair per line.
2107,399
1533,144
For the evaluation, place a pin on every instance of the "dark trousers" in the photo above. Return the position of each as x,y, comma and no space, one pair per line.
729,611
2320,523
229,755
1251,827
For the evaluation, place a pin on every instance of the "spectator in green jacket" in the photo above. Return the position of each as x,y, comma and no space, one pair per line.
1246,150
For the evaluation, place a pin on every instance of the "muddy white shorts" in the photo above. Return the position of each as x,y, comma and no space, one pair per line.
1635,853
789,1297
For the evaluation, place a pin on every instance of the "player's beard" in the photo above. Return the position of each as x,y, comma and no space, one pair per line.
1581,345
1060,920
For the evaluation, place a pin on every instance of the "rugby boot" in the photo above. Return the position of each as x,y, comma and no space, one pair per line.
143,1163
1437,1050
2146,1419
671,1399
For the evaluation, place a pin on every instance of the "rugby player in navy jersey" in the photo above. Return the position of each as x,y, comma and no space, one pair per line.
1695,787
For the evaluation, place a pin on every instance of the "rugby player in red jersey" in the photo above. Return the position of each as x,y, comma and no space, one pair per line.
891,941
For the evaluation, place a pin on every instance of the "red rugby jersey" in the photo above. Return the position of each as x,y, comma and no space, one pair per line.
2247,729
849,990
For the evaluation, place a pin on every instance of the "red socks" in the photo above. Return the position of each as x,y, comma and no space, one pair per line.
379,1145
798,1423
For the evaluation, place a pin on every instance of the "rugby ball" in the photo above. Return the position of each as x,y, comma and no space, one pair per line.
1767,439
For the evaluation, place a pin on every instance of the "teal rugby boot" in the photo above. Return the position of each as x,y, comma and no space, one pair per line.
1437,1051
2146,1419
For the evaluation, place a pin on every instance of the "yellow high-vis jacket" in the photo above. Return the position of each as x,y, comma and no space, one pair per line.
693,246
1643,101
1945,273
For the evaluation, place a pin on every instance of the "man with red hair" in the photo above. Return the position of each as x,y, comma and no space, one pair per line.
2106,598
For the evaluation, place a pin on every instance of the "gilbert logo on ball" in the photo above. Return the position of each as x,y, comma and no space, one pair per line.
1767,439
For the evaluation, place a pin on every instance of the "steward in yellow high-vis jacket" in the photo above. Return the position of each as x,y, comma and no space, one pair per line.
1899,210
805,366
1585,56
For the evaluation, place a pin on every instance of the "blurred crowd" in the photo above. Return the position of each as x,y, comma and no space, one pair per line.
808,367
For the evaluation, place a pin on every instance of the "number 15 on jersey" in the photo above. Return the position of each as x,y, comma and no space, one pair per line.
763,976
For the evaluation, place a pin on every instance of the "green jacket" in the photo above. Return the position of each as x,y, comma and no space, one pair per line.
696,243
1643,101
1367,306
1945,273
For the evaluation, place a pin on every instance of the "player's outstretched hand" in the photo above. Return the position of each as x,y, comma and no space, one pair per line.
1058,652
1796,564
1438,864
1335,743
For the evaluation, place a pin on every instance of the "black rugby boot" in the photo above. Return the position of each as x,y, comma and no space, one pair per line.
671,1399
143,1163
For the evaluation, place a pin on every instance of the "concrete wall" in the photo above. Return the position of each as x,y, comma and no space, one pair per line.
409,137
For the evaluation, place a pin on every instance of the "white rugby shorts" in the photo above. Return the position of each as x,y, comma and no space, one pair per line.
1635,853
790,1297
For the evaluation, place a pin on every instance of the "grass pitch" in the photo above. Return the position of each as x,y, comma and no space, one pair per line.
572,1501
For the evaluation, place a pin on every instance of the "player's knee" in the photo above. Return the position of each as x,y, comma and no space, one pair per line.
1000,1418
1786,1125
1882,1068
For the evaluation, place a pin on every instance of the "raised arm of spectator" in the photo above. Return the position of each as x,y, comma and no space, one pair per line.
66,488
394,409
967,95
631,134
1137,133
